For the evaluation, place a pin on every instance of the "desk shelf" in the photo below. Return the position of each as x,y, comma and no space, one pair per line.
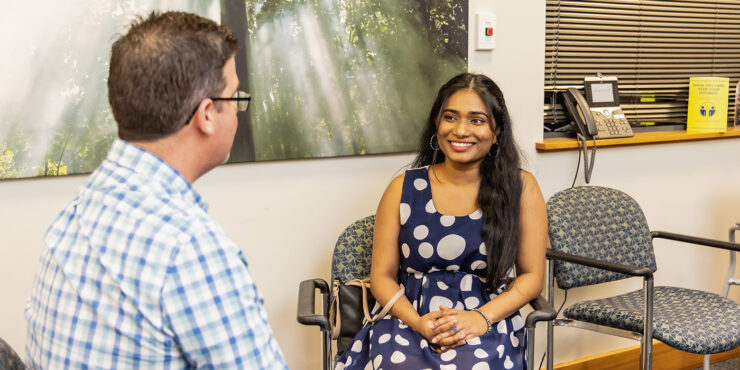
640,138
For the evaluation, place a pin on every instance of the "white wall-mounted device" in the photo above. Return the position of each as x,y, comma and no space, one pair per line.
485,31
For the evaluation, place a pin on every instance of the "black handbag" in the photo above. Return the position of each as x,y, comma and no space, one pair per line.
350,306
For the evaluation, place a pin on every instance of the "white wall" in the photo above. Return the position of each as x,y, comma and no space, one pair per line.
287,215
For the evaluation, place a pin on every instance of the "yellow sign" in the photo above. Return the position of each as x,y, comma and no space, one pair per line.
708,104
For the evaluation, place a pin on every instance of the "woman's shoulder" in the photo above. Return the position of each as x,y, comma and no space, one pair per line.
526,176
529,183
409,175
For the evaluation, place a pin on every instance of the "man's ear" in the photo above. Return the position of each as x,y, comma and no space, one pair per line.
204,117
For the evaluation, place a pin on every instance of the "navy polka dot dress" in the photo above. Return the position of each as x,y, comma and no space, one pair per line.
443,263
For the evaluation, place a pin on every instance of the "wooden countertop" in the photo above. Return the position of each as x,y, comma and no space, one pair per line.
640,138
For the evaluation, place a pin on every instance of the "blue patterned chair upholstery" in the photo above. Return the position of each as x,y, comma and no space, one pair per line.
353,251
351,260
9,359
597,235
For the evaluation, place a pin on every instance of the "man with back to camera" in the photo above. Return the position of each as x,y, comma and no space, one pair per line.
135,273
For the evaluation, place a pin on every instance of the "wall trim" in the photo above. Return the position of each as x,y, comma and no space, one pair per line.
664,357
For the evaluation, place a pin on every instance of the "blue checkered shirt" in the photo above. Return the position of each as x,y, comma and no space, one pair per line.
137,275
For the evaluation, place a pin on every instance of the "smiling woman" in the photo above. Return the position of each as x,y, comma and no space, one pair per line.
465,130
464,236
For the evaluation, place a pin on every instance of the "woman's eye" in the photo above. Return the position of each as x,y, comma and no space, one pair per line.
449,117
477,121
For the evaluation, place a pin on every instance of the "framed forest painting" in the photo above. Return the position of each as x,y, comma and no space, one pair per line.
327,77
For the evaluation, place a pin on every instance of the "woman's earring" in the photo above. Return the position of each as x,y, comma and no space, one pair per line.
431,143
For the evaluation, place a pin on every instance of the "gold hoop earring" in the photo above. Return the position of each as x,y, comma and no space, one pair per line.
431,143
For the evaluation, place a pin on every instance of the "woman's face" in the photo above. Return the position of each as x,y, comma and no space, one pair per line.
465,128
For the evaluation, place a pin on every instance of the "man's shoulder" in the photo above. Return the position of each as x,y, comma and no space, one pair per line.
129,200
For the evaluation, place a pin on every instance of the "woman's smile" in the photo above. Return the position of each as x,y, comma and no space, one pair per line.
460,146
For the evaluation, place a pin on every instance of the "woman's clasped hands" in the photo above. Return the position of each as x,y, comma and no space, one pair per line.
449,328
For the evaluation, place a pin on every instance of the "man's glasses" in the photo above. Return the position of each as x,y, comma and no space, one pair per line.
240,97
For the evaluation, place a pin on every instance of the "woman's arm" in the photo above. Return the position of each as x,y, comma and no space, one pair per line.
530,263
386,261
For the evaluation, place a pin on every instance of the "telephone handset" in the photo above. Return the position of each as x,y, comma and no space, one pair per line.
580,111
599,115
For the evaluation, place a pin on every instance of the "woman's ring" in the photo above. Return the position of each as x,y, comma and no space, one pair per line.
454,329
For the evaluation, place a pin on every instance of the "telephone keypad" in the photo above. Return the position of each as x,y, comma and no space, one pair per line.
610,127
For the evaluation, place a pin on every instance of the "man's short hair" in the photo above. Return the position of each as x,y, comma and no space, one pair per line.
162,68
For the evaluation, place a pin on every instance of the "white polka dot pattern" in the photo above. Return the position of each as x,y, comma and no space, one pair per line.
474,342
481,366
508,364
514,339
429,208
426,250
439,301
448,355
471,302
447,221
517,323
384,338
450,246
377,360
421,232
466,284
397,357
420,184
501,327
356,346
405,210
401,340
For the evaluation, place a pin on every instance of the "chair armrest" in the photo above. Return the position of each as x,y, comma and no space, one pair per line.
695,240
543,311
592,262
307,302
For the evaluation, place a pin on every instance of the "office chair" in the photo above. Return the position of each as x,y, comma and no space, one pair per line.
729,280
597,235
351,260
9,359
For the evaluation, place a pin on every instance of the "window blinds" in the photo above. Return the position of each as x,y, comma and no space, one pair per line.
653,47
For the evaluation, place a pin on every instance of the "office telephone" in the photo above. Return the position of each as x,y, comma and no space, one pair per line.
599,115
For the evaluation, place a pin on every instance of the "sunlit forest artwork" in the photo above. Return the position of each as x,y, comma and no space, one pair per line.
327,77
55,119
345,77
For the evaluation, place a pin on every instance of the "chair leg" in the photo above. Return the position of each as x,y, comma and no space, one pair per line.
706,362
647,335
327,350
530,348
551,299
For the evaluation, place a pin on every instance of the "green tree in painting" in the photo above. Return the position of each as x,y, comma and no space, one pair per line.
56,119
348,77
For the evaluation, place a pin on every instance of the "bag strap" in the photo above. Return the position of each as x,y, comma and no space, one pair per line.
364,284
335,319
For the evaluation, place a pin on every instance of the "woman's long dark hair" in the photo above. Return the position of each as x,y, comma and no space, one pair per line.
501,185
